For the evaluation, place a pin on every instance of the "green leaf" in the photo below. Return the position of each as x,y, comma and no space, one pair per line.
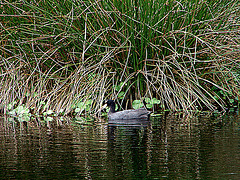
155,101
9,106
42,103
87,108
155,115
121,95
80,104
77,110
24,118
88,102
49,112
231,100
48,119
147,100
137,104
13,112
20,110
118,87
149,106
221,91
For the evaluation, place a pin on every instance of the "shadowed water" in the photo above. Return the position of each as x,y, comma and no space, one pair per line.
171,147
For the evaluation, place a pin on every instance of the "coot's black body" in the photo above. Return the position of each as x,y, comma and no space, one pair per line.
141,113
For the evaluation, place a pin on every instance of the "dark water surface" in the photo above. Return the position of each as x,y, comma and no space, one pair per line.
171,147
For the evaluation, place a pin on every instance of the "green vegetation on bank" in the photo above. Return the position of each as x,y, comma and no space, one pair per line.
66,57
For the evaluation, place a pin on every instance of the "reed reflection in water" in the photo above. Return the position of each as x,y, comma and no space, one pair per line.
166,147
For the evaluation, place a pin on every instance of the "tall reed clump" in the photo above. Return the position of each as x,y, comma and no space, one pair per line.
42,68
65,55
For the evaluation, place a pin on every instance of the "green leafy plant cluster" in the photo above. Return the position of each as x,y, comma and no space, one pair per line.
149,103
20,111
80,106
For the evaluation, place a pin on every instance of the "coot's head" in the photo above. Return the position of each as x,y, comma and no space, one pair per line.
110,103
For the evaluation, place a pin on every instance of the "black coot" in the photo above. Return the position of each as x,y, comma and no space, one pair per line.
140,113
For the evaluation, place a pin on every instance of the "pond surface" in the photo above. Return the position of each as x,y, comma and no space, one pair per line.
168,147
